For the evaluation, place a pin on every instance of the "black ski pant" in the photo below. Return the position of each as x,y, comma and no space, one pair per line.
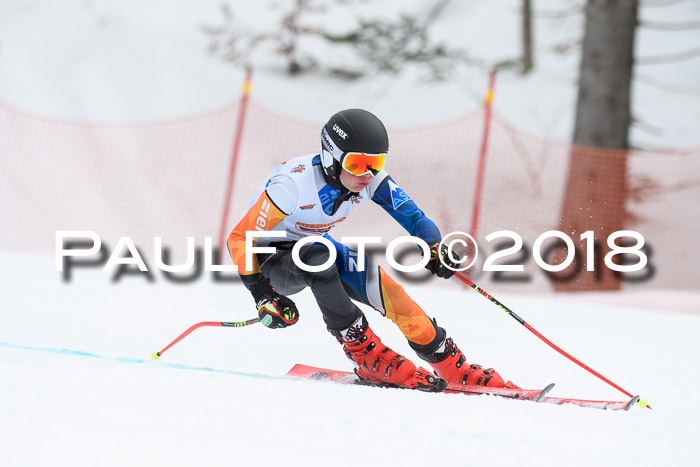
332,295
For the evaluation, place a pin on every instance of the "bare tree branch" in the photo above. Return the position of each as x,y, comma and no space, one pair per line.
647,127
435,11
670,58
659,3
381,45
670,26
666,86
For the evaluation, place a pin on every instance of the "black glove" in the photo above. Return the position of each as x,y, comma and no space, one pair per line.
438,267
277,311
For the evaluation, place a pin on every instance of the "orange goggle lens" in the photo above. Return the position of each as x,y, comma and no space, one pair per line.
360,163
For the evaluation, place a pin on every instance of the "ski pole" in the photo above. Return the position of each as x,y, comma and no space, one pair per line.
642,402
239,324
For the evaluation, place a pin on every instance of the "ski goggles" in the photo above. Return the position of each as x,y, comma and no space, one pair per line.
360,163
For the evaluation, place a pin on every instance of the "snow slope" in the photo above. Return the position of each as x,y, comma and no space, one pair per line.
116,407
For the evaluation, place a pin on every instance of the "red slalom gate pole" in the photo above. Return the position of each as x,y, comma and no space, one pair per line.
239,324
476,208
541,337
243,106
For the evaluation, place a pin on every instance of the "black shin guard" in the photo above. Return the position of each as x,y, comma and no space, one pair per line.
430,351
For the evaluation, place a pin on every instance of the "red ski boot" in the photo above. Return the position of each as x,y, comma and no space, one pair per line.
377,363
449,363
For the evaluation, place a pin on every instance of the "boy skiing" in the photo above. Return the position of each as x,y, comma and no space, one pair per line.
308,196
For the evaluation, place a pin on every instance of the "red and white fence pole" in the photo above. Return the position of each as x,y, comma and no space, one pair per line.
243,106
481,169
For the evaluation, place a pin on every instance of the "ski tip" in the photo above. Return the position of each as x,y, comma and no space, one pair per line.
155,356
634,400
544,392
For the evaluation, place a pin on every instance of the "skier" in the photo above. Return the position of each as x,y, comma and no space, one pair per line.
311,194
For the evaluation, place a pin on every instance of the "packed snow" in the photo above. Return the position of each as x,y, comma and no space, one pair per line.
78,386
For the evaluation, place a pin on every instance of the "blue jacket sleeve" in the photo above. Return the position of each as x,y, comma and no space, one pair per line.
405,211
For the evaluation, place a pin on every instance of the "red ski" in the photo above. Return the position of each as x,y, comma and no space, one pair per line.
605,405
345,377
535,395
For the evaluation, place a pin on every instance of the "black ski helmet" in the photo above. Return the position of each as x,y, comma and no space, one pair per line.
351,130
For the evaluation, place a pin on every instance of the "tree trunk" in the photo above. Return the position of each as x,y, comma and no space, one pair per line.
596,189
528,61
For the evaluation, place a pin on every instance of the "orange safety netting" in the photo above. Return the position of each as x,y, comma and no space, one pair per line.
168,179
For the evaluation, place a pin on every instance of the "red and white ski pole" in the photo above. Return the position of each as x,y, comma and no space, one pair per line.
239,324
642,402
